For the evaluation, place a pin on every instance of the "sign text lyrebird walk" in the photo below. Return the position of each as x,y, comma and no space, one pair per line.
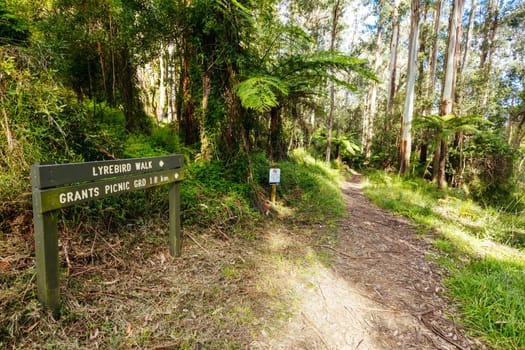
58,186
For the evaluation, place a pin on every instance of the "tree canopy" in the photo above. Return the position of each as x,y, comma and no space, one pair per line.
235,77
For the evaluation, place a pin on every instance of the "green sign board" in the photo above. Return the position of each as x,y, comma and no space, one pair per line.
60,197
61,185
53,175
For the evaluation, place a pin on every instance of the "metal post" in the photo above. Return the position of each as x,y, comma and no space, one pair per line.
274,192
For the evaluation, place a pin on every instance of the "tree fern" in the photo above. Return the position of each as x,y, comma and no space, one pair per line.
447,125
261,93
298,76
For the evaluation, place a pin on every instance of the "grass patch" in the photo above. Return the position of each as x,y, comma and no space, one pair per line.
312,188
491,298
478,248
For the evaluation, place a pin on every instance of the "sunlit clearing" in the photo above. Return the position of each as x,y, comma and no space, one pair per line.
481,248
283,211
278,241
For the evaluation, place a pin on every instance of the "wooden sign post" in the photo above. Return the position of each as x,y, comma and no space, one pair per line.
275,179
61,185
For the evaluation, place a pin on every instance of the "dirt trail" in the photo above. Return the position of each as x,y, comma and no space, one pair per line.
381,293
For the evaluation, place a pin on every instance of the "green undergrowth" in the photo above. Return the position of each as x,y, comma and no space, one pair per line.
121,289
481,250
311,188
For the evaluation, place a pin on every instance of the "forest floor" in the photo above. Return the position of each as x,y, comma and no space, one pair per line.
367,282
380,292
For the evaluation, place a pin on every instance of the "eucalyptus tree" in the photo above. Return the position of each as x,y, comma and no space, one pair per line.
371,105
485,162
392,67
406,126
426,75
336,15
514,24
457,158
468,35
432,67
449,85
387,138
321,20
506,104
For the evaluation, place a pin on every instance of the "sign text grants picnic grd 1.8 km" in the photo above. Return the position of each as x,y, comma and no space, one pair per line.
57,186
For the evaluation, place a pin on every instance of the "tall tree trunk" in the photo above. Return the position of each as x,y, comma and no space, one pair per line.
435,160
468,36
422,83
368,120
487,49
442,163
136,118
330,123
204,138
519,131
161,111
431,79
489,32
422,61
336,14
457,161
406,127
449,81
102,67
432,84
113,72
189,127
392,67
433,59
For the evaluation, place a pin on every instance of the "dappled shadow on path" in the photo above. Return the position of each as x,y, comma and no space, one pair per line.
380,254
381,291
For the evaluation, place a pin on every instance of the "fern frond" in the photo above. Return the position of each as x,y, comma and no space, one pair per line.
321,62
261,93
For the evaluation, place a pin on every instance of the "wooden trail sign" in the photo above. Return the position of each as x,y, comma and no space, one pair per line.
58,186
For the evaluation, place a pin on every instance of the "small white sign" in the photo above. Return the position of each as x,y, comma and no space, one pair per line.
275,175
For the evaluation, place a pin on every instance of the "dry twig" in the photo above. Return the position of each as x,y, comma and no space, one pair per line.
343,253
168,346
197,243
312,325
441,334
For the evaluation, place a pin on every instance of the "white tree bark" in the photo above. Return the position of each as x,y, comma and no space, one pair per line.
435,48
368,123
468,37
336,14
408,112
451,64
392,67
449,81
161,110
